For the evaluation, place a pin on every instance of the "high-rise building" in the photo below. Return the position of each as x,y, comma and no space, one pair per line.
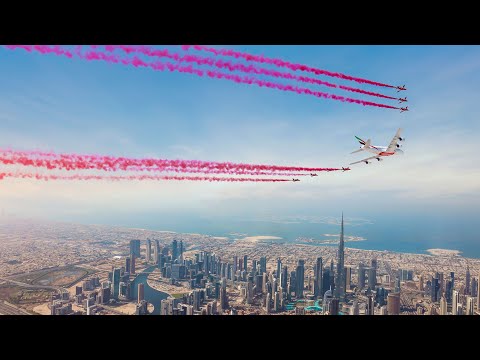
300,272
327,299
245,260
267,303
474,287
264,283
348,277
284,277
370,305
156,251
440,284
448,291
132,264
361,276
148,253
235,264
372,274
443,306
127,264
116,282
318,278
397,285
478,294
470,302
435,287
135,247
326,280
334,306
263,264
279,268
340,275
383,310
455,302
276,301
467,282
181,251
174,250
421,283
393,304
141,292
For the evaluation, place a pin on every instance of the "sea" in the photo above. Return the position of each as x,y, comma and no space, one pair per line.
391,233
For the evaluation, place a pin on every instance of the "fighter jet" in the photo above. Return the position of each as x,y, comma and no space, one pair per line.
400,88
295,180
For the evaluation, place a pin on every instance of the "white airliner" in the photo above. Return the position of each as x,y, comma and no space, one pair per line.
380,151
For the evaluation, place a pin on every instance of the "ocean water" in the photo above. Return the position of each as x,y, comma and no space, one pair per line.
413,234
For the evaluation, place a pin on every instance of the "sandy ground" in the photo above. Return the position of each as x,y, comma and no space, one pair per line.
444,252
128,309
42,309
255,239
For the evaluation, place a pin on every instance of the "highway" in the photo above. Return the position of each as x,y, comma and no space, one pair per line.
30,286
8,309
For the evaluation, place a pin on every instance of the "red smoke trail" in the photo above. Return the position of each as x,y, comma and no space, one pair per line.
37,176
222,64
280,63
110,163
163,66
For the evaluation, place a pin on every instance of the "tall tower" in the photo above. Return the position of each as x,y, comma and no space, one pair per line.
340,275
174,250
467,282
279,268
148,250
318,278
300,273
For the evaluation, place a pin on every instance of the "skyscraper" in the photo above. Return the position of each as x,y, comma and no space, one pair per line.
284,277
318,278
156,251
141,292
148,252
348,277
263,264
443,306
372,274
434,289
135,247
361,276
181,251
174,250
326,280
470,302
300,272
393,304
267,303
354,310
235,263
334,306
467,282
370,305
127,264
340,275
279,268
245,259
455,302
116,282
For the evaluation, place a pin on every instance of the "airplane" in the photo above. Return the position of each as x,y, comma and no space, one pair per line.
400,88
402,109
312,175
294,180
380,151
400,100
345,169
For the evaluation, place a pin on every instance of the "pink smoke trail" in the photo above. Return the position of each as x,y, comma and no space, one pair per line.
48,177
222,64
280,63
51,161
163,66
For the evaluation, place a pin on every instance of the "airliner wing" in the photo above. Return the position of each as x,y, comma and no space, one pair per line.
370,158
393,143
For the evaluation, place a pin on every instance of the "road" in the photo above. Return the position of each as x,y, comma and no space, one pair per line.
30,286
8,309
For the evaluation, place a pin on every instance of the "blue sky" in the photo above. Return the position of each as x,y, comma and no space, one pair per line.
53,103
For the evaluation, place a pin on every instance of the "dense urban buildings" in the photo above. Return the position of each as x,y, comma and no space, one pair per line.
95,270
